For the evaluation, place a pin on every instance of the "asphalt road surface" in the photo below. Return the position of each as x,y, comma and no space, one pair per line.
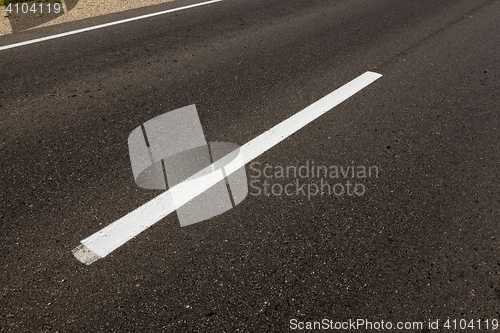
420,244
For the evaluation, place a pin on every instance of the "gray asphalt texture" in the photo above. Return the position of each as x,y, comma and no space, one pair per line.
421,244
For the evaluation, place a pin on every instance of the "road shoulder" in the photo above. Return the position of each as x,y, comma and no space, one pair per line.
84,9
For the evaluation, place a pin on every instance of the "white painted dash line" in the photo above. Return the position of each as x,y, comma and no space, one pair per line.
119,232
73,32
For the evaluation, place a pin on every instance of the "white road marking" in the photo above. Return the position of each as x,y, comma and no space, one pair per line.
119,232
37,40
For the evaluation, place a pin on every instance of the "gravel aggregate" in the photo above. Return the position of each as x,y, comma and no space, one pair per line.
84,9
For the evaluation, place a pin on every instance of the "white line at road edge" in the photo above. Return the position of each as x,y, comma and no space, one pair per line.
119,232
104,25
